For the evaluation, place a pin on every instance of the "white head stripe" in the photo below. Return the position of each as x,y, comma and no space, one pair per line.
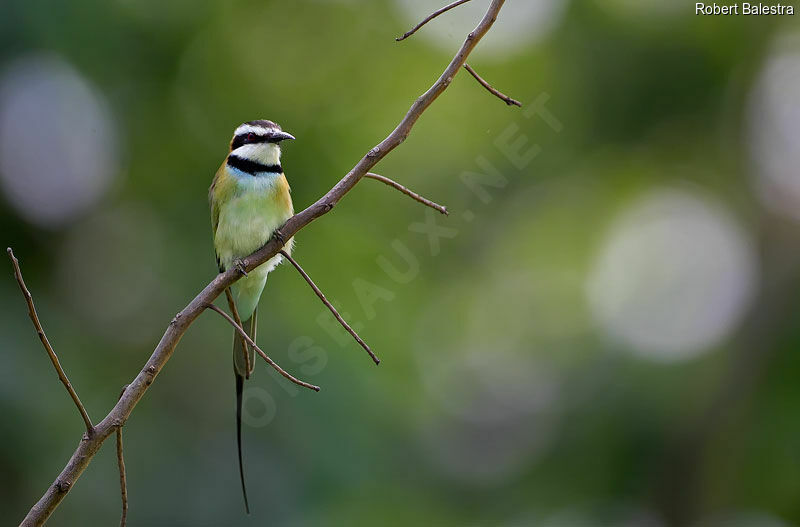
245,128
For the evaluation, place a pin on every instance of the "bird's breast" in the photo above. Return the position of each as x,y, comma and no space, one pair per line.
249,218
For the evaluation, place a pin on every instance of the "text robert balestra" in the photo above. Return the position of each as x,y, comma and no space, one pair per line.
743,9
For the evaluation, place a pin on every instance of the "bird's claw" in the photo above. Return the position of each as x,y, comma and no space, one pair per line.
278,235
240,266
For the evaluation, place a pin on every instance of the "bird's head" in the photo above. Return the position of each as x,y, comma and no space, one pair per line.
259,142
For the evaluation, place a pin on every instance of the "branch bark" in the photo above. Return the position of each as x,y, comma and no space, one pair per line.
238,320
332,309
431,17
264,356
123,482
119,414
500,95
408,192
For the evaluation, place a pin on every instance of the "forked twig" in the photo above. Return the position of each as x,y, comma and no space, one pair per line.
502,96
408,192
271,362
429,18
238,320
332,309
46,343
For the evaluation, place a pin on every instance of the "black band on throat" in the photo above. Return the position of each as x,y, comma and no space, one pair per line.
251,167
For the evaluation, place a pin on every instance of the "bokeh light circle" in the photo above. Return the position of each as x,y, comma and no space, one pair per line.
674,276
493,407
58,148
495,413
774,130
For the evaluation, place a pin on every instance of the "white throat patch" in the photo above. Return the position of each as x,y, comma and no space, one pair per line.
264,153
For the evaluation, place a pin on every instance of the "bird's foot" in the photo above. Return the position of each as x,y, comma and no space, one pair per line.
240,266
278,235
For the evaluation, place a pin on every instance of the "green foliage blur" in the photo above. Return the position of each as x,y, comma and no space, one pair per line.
546,360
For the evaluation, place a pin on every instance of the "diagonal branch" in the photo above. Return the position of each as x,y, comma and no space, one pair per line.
502,96
46,343
408,192
336,314
430,17
86,450
271,362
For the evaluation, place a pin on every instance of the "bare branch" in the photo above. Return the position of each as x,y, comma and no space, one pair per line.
407,192
123,484
505,98
430,17
88,447
46,343
238,320
336,314
271,362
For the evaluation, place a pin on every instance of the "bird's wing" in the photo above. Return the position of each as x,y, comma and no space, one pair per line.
213,199
216,194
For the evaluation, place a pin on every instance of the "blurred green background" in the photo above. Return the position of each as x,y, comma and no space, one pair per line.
602,333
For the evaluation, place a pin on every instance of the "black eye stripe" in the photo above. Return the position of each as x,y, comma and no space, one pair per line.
247,139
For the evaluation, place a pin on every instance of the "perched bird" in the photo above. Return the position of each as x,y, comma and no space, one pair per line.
249,200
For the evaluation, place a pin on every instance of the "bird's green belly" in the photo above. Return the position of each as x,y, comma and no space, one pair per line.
245,224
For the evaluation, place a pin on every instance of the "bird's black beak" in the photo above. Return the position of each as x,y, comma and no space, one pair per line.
277,137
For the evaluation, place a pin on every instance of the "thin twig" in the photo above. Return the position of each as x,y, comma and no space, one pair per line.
429,18
271,362
502,96
325,301
408,192
86,450
123,484
46,343
238,320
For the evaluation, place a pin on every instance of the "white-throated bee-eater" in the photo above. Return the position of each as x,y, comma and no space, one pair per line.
249,200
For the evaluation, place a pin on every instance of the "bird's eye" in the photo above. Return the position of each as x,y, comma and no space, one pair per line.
251,137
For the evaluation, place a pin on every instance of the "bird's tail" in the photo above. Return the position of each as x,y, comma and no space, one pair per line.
241,365
242,368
